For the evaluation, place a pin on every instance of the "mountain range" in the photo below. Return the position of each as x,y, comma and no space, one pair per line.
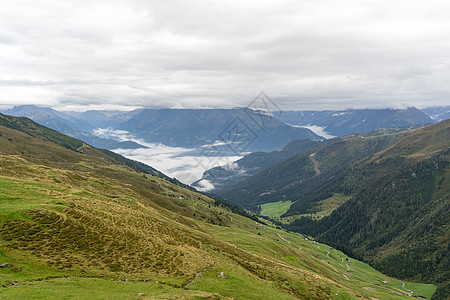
70,124
223,177
219,179
242,130
81,222
439,113
192,128
344,122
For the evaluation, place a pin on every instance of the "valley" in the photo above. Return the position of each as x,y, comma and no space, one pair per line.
383,199
74,217
236,150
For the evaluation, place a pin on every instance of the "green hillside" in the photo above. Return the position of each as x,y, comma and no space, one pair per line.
79,223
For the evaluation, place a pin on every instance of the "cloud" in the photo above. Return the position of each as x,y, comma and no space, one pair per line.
175,161
303,54
182,163
319,130
204,185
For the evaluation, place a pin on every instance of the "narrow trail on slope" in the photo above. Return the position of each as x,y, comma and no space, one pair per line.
82,146
316,164
312,158
186,286
378,286
283,238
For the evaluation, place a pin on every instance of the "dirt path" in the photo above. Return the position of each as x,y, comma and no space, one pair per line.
82,146
283,238
336,270
316,169
385,288
378,286
186,286
312,158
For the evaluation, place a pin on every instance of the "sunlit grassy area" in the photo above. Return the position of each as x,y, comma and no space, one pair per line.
291,249
96,288
275,209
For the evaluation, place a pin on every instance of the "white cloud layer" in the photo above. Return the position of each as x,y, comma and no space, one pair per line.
319,130
203,53
182,163
174,162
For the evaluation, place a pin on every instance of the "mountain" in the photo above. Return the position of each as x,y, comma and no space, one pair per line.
48,116
80,222
69,124
439,113
223,177
105,118
298,177
398,216
344,122
239,130
219,179
384,199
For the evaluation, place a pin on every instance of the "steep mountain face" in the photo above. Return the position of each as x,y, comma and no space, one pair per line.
241,130
69,124
74,218
223,177
344,122
439,113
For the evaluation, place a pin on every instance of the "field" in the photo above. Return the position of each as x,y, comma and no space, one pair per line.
275,209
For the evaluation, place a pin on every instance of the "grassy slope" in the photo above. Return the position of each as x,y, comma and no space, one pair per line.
78,225
275,209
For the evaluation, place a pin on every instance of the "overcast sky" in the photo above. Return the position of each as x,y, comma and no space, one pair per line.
315,54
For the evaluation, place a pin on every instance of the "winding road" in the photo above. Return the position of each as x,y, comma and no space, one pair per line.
403,286
392,290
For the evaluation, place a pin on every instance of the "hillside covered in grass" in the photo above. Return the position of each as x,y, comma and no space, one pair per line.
76,222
